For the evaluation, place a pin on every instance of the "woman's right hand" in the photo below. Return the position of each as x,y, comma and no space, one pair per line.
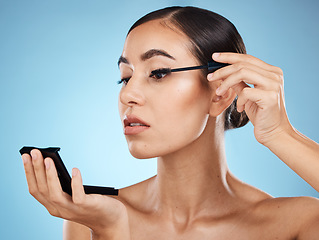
105,216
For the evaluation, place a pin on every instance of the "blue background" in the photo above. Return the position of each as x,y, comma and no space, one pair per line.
58,76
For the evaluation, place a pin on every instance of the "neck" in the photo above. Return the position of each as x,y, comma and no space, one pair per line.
196,173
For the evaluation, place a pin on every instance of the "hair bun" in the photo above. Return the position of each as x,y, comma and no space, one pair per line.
233,118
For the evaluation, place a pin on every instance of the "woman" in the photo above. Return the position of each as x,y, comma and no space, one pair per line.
180,118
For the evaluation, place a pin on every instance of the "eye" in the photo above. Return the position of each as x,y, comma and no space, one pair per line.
123,80
159,73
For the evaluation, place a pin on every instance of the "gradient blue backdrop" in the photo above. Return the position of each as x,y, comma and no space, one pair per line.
58,76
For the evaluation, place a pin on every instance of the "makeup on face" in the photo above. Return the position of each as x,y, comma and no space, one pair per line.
133,125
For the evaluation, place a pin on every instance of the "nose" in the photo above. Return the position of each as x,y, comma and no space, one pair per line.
132,94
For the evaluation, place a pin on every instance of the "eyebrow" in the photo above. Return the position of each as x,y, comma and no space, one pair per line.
155,52
147,55
122,60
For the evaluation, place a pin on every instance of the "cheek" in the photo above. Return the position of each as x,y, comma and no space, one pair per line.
181,114
186,102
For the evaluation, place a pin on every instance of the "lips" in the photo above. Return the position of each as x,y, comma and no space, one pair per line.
133,125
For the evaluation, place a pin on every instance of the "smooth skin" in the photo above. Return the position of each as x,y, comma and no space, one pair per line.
193,195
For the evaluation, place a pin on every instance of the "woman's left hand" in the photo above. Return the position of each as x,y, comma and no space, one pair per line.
264,102
265,106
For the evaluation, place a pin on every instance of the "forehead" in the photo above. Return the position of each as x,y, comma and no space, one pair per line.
156,35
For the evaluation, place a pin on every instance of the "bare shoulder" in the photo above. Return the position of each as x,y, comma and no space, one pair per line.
284,217
302,206
297,214
72,230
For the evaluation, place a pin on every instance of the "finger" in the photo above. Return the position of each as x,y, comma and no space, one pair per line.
238,87
224,72
78,194
254,95
248,77
231,58
57,196
30,175
32,181
39,170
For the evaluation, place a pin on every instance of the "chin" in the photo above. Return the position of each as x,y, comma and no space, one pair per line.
141,152
146,151
142,155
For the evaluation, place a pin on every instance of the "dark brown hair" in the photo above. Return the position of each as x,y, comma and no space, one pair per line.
208,32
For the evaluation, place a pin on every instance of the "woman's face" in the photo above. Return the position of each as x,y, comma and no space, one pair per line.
160,116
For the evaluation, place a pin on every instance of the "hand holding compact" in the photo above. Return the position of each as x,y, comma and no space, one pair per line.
103,214
264,102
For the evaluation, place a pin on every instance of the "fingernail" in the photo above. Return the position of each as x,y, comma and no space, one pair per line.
216,55
47,163
33,155
74,172
218,91
210,76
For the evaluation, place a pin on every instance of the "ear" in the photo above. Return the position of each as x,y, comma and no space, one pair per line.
220,103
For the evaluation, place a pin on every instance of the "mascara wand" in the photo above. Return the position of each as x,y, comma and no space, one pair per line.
211,67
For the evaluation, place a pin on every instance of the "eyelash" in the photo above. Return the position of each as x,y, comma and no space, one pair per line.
155,74
123,80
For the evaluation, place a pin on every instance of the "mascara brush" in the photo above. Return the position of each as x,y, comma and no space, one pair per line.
211,67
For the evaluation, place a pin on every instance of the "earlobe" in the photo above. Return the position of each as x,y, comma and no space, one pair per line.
220,103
